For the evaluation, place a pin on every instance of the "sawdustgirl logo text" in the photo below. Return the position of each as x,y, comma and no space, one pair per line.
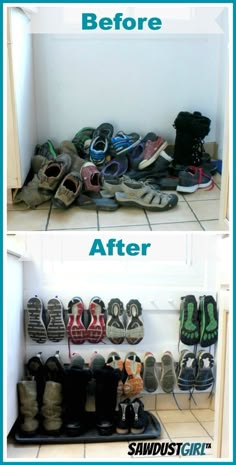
168,448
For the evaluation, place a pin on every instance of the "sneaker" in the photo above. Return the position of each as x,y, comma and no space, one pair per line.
82,140
46,150
53,172
116,167
35,325
133,385
142,195
123,417
208,321
91,177
115,329
168,376
189,321
192,179
114,361
100,143
204,377
56,329
151,152
150,380
68,190
75,328
186,370
136,155
97,328
138,417
122,143
134,331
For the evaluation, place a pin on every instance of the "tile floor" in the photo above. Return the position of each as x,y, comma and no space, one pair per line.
177,426
195,212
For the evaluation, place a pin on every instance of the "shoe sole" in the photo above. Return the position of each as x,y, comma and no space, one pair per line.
150,380
189,314
194,188
75,329
134,383
115,329
119,196
96,329
56,329
202,385
145,163
208,315
186,376
168,376
35,327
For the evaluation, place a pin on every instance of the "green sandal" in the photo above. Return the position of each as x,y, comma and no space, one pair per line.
189,321
208,321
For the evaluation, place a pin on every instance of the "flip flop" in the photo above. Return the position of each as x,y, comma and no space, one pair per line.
35,326
205,378
97,328
134,383
56,329
115,329
208,321
134,329
75,328
189,321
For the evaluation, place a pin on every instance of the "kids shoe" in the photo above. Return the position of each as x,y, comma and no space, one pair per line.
75,328
122,143
96,330
68,190
186,370
194,178
150,380
208,321
100,143
115,329
134,331
133,385
189,321
142,195
168,376
204,377
56,329
138,417
151,152
35,325
53,172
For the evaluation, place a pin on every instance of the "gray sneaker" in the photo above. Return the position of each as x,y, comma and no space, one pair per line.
68,190
142,195
53,172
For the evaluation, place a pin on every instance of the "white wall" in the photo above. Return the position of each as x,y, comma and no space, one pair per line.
137,84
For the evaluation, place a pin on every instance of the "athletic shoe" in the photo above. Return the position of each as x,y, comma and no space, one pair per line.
46,150
186,370
91,177
82,140
122,143
168,376
204,377
115,329
150,379
189,321
134,331
97,328
192,179
56,329
133,385
151,152
208,321
35,325
75,328
100,143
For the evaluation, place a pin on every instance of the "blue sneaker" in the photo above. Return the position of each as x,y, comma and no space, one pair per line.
123,143
100,143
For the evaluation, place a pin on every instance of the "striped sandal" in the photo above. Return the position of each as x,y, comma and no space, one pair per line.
97,328
134,383
115,329
56,329
75,328
35,325
134,328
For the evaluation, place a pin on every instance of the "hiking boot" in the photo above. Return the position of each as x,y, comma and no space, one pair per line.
186,370
150,380
122,143
133,385
82,141
208,321
151,152
138,417
28,407
189,321
56,329
53,172
168,376
192,179
142,195
91,177
115,329
134,331
123,417
35,325
75,393
52,408
191,129
68,190
105,398
75,328
204,378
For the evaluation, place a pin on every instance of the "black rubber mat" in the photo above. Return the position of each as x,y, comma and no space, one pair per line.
152,431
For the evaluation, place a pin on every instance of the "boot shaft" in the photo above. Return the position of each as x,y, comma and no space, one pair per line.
28,406
52,407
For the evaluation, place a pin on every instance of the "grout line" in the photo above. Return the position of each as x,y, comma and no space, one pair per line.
37,455
84,450
48,218
194,214
98,223
149,224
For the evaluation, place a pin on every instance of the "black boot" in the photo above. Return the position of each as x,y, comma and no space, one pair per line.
107,379
191,129
75,391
